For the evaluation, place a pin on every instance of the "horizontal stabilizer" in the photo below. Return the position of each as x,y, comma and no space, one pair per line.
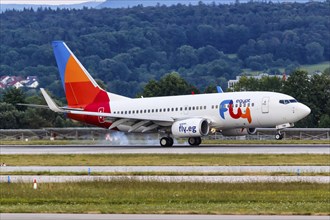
51,104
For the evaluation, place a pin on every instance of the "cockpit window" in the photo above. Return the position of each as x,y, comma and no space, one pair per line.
287,101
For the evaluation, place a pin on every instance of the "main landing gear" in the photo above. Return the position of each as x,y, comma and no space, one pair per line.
194,141
279,135
168,141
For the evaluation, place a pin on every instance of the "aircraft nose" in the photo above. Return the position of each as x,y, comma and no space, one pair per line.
304,110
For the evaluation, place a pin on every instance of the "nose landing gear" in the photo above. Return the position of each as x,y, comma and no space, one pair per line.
279,136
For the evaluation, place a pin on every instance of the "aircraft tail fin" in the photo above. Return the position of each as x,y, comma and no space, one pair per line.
79,86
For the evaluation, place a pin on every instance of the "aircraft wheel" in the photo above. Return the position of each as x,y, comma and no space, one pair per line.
198,141
279,136
194,141
166,142
171,141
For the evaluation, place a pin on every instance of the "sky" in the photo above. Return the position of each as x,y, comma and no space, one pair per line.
47,2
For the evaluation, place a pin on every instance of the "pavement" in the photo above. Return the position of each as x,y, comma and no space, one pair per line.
179,149
213,179
179,169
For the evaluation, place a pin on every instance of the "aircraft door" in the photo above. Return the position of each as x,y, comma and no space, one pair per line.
265,105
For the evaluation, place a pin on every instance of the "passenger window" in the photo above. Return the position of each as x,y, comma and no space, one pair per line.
172,109
176,109
196,107
216,106
180,108
252,104
212,106
148,110
160,110
193,108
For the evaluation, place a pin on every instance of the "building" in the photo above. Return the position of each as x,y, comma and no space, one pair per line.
232,82
18,82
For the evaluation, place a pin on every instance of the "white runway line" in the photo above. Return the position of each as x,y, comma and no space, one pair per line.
213,179
203,169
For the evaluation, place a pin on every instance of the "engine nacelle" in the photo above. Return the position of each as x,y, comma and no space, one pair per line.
238,131
193,127
251,130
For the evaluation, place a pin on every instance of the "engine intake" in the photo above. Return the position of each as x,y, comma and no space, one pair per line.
193,127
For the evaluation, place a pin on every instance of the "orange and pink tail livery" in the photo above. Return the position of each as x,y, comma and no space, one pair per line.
80,88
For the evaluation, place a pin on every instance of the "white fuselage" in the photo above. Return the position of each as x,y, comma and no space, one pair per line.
258,109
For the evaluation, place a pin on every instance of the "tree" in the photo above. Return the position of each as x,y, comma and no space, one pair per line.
185,57
298,85
8,116
314,52
319,98
14,96
170,84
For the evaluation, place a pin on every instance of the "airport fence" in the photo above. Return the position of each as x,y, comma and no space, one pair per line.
107,135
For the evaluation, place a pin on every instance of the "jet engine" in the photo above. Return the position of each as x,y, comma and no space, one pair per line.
193,127
238,131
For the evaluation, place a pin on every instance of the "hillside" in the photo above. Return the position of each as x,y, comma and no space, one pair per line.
129,46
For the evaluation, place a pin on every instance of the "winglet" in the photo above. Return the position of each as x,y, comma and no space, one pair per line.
50,102
219,89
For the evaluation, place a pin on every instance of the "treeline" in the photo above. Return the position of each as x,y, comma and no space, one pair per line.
128,47
314,92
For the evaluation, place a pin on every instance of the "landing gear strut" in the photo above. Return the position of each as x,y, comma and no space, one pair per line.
194,141
279,135
166,142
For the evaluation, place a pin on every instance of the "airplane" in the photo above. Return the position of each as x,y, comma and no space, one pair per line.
181,116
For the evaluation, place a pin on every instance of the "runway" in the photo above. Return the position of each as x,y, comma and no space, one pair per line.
180,149
210,179
178,169
42,216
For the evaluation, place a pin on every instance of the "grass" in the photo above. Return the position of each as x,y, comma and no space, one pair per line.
166,159
316,67
48,173
90,142
309,68
129,196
